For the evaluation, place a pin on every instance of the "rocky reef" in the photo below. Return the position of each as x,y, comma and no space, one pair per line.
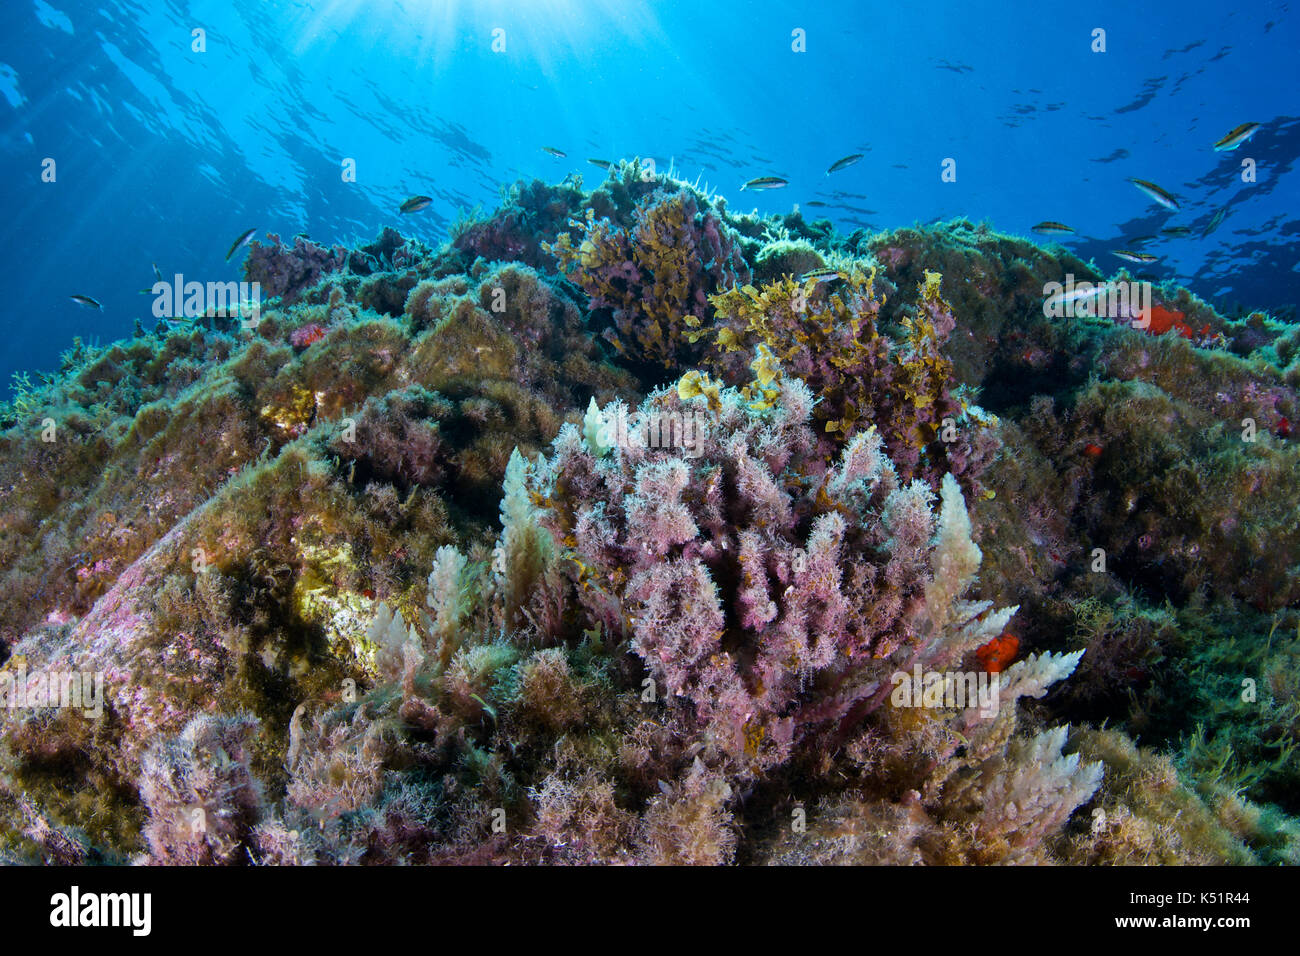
627,529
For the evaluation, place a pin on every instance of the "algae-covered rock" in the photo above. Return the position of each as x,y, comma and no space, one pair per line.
423,568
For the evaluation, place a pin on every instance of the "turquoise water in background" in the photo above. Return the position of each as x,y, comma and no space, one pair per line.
165,155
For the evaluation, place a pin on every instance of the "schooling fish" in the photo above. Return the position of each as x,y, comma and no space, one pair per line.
156,274
415,204
816,202
1236,137
558,154
602,163
844,163
1156,193
1141,240
766,182
1176,231
240,241
85,300
1135,256
1050,228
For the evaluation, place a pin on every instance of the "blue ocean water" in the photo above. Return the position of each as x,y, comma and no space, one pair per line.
164,152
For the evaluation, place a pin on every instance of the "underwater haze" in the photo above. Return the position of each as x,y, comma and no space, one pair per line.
165,155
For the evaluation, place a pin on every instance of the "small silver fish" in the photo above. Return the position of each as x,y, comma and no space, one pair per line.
1155,192
602,163
240,241
86,301
1176,231
844,163
557,153
766,182
1236,137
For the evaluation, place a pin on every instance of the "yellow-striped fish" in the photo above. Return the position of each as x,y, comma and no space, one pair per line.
844,163
240,241
766,182
415,204
1215,221
1049,227
1135,256
1236,137
1155,192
